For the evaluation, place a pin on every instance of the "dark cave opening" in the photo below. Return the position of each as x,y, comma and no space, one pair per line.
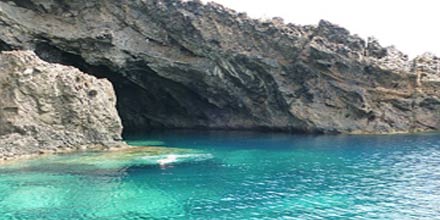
128,93
145,101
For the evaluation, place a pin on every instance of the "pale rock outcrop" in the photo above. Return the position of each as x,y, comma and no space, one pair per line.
53,108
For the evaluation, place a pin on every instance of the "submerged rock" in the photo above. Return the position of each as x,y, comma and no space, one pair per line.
53,108
117,159
184,64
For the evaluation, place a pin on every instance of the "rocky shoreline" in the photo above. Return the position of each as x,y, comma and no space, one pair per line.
189,65
185,64
8,159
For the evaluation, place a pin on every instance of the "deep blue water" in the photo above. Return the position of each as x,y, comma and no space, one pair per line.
234,175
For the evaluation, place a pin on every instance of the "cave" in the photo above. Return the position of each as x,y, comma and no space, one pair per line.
145,101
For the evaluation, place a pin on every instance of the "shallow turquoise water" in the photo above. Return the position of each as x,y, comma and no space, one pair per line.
236,175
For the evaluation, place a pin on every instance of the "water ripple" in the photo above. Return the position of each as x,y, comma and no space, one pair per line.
235,177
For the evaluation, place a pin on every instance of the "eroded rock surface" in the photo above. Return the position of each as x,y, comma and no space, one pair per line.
53,108
183,64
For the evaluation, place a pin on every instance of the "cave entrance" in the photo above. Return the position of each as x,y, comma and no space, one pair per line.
123,88
145,101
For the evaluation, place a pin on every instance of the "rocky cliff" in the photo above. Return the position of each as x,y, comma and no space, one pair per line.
53,108
184,64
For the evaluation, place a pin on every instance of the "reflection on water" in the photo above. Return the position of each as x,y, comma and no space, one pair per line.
233,175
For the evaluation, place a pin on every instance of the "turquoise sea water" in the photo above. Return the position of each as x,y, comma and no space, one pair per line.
233,175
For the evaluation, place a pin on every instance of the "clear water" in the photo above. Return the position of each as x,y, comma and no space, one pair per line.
220,175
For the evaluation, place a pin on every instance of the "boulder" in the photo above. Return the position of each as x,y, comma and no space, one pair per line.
53,108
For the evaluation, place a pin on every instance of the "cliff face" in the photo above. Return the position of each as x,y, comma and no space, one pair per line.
53,108
181,64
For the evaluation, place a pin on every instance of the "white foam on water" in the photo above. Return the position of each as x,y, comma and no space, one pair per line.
176,158
169,159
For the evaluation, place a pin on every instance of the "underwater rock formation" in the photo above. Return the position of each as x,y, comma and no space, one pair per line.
53,108
185,64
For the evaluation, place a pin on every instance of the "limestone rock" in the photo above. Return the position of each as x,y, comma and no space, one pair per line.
50,107
185,64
